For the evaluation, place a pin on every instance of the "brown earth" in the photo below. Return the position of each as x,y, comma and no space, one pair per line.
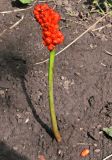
82,86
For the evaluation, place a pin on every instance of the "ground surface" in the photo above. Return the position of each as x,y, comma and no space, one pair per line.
82,84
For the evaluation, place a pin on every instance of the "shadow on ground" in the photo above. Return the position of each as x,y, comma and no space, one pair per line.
7,153
18,68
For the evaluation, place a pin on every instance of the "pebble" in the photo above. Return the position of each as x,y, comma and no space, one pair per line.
81,129
2,93
60,153
19,116
95,145
62,77
15,148
66,85
59,3
99,126
27,120
101,132
97,150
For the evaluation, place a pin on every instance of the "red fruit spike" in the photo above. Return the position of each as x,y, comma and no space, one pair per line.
42,24
44,7
44,28
57,41
53,36
57,17
35,12
46,25
37,16
59,34
47,33
51,47
54,28
45,44
48,40
40,20
62,39
48,20
38,7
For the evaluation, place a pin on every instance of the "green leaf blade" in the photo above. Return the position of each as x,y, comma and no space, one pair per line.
25,1
108,131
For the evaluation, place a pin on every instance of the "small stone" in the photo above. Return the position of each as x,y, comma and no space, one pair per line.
91,101
46,75
81,15
15,148
97,150
5,138
62,77
2,93
95,145
39,94
78,119
60,153
65,2
59,3
18,15
19,116
91,46
27,120
81,129
72,82
41,136
101,132
99,126
17,110
66,85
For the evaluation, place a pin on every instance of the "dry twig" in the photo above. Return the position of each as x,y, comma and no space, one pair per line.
108,157
13,26
107,52
3,32
18,10
102,27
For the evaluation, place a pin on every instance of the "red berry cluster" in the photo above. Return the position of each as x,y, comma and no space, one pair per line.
49,19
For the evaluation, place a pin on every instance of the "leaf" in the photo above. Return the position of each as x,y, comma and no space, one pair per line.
25,1
110,2
108,131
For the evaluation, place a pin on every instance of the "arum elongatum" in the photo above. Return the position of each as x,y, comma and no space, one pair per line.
52,36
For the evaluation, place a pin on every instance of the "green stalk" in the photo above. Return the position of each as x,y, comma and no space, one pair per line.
51,96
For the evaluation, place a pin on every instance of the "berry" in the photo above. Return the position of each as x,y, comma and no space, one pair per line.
48,40
51,47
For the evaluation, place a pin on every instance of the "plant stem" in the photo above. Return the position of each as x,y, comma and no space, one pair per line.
51,96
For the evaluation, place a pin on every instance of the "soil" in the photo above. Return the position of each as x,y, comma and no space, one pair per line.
82,86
